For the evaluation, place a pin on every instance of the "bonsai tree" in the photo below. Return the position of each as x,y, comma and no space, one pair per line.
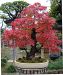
34,25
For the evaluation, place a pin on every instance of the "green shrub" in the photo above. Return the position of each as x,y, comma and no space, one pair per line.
11,69
57,64
6,57
3,62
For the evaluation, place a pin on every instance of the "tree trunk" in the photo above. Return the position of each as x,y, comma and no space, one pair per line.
33,48
31,54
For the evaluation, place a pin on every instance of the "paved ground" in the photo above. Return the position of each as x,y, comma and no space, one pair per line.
19,74
59,71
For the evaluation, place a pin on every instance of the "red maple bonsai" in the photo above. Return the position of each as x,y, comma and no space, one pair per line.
33,25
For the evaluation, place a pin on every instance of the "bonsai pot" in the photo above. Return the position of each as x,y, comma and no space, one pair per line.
32,65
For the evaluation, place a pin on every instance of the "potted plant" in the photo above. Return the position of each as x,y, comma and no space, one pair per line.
34,25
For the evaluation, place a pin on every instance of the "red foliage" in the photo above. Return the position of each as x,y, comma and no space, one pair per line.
21,38
34,16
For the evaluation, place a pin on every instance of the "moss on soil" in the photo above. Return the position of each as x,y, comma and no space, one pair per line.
33,60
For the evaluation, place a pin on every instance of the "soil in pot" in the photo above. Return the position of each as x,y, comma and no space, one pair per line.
33,60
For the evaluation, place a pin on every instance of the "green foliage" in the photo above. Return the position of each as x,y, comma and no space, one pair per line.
12,9
56,9
15,6
59,35
3,62
38,45
57,64
3,16
2,30
11,69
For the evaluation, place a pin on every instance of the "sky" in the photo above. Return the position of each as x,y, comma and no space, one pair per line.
43,2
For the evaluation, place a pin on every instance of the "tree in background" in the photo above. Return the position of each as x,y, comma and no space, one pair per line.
56,12
12,10
56,9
